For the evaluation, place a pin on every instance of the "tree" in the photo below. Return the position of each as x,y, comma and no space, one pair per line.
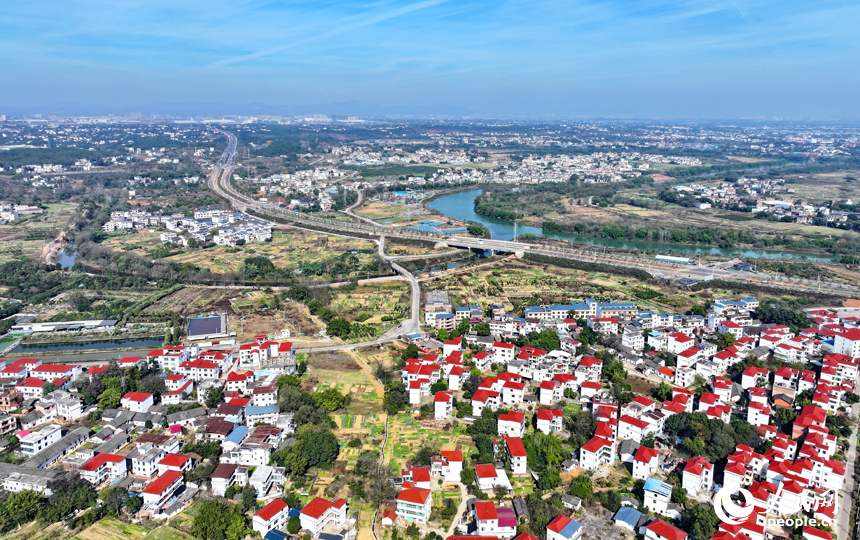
339,327
216,520
700,521
110,398
423,456
133,504
851,398
355,443
443,335
214,396
294,525
23,506
582,486
679,494
438,386
48,387
483,329
784,416
663,392
724,340
468,476
249,498
331,399
320,446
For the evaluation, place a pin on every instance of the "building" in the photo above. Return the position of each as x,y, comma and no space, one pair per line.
645,462
494,522
658,495
563,528
414,504
448,464
595,453
137,401
273,516
103,467
319,513
35,442
660,530
698,476
162,489
549,420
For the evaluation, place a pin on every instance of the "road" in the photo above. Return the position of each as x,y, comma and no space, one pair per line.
843,519
219,182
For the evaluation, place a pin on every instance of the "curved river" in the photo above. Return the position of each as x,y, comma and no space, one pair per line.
461,206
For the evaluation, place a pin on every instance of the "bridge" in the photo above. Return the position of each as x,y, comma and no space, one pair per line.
219,182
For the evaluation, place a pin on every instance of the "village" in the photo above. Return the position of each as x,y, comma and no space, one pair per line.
542,420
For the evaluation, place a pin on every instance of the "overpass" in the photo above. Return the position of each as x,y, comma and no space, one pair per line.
219,182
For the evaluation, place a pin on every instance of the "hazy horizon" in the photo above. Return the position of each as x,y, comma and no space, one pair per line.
613,59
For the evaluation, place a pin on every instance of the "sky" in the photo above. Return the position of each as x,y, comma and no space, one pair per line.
791,59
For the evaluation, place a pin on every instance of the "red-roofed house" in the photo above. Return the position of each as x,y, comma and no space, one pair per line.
319,513
563,528
645,462
754,376
162,489
240,381
448,464
49,372
413,505
549,420
512,424
489,477
175,462
484,398
633,428
103,467
660,530
498,522
273,516
504,352
443,402
137,401
200,370
517,454
698,476
595,453
848,343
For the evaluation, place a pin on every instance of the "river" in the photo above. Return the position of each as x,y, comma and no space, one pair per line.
461,206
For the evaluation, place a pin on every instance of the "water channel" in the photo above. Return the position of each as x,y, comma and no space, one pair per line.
461,206
89,345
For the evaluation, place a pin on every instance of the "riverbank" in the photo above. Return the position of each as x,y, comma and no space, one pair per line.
37,348
461,206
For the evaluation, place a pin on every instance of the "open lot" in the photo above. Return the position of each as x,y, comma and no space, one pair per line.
289,248
112,529
28,235
377,299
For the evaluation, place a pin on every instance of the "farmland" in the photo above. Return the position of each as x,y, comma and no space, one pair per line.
290,248
370,302
28,235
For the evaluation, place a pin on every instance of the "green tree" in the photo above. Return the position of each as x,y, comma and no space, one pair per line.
216,520
700,521
48,387
339,327
23,506
133,504
467,476
214,396
331,399
582,486
695,445
294,525
663,392
110,398
483,329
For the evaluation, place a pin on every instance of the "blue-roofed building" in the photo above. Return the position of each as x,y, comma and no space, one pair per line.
235,438
658,495
563,528
628,518
445,320
266,414
276,535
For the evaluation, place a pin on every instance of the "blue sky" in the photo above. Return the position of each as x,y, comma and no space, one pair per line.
659,58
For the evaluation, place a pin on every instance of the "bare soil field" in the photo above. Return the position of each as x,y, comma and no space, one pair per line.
198,300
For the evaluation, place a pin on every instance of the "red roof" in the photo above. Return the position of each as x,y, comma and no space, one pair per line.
595,444
137,396
558,524
548,414
100,459
271,510
162,483
129,360
641,424
53,368
645,454
452,455
485,471
32,382
515,447
414,495
443,397
513,416
661,528
96,369
174,460
316,507
485,510
420,474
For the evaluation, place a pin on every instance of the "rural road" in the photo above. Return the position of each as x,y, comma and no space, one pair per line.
843,520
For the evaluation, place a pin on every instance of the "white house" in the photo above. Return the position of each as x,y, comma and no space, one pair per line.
137,401
319,513
414,505
273,516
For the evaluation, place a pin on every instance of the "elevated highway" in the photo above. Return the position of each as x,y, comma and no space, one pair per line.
219,182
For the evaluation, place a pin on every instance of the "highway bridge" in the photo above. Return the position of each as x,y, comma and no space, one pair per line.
219,182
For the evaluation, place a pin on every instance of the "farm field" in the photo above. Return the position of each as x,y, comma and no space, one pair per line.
27,235
341,370
376,299
289,248
112,529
